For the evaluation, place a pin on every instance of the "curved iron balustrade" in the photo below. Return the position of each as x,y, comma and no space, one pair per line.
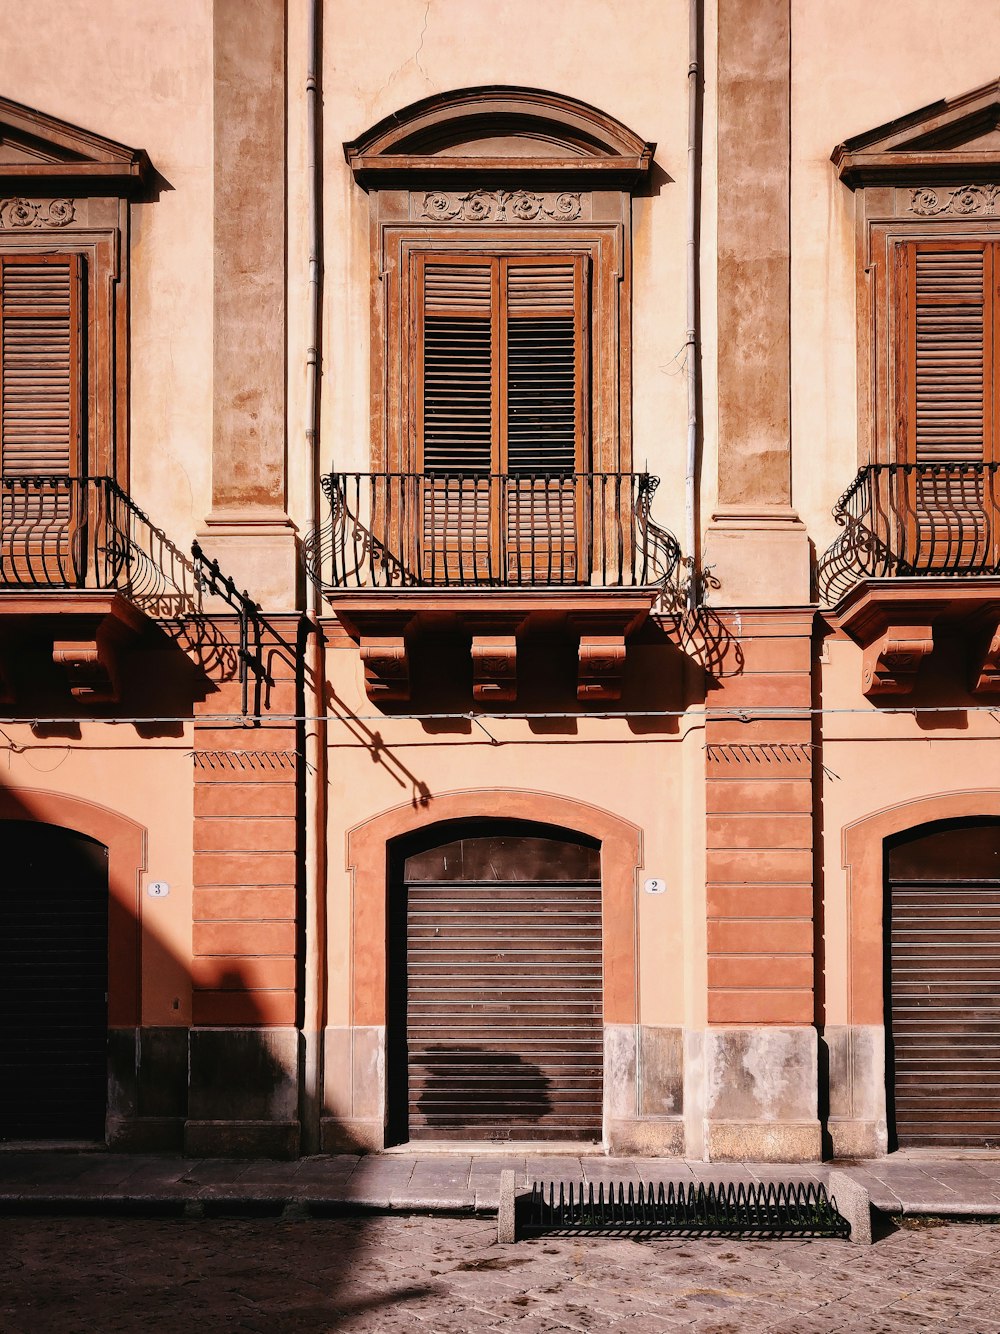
59,532
903,520
444,529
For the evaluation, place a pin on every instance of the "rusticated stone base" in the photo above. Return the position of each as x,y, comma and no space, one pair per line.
339,1135
762,1142
856,1139
241,1139
855,1078
243,1093
647,1139
761,1095
147,1089
146,1134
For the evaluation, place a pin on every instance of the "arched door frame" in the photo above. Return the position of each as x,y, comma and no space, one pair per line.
368,857
126,844
864,862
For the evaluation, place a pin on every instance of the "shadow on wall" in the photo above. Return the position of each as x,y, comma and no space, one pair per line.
81,1067
76,1063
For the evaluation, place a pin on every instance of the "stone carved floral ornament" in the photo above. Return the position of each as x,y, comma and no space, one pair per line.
500,206
20,212
967,201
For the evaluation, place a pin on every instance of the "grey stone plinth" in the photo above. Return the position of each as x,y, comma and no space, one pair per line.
506,1221
854,1204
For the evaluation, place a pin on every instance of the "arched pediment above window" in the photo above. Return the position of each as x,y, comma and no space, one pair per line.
522,132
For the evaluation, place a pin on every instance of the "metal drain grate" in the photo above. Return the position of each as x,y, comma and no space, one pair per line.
795,1209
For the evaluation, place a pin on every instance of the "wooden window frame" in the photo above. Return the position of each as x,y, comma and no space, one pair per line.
393,361
500,539
413,319
888,234
72,262
882,233
103,449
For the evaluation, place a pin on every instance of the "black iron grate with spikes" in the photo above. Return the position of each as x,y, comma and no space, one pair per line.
757,1209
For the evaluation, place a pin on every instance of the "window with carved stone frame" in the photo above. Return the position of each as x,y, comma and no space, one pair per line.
514,206
928,266
64,368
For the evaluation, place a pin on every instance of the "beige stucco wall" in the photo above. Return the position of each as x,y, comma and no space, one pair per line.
142,74
855,66
630,60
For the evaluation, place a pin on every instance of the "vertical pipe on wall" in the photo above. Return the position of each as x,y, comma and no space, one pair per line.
691,351
314,970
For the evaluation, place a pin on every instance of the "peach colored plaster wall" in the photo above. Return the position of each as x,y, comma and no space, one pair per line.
142,74
150,786
631,61
873,761
377,763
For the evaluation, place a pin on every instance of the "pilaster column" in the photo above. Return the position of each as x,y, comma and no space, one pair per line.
248,530
756,543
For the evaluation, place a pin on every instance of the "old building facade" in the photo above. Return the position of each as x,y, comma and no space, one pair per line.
499,576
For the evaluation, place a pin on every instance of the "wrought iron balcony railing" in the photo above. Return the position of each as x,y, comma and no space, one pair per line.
914,519
508,530
60,532
85,532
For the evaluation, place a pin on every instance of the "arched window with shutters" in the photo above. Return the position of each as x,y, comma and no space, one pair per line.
501,445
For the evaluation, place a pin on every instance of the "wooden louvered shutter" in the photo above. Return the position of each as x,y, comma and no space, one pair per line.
947,394
458,421
40,408
501,411
545,407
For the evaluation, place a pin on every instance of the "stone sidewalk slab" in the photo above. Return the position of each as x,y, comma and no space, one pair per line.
451,1183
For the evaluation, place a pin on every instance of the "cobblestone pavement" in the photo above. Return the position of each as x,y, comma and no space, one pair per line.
448,1275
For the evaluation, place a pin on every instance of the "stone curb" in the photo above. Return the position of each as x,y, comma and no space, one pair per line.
324,1189
854,1204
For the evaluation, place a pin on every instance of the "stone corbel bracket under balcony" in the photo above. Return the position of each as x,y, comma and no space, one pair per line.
497,559
495,623
85,575
90,630
898,621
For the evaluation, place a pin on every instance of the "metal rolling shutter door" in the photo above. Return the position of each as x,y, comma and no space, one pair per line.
504,1010
945,1009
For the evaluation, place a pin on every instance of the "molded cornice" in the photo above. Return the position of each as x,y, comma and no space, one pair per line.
48,156
955,139
500,133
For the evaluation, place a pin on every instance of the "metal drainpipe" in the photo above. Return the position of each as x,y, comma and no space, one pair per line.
691,341
314,925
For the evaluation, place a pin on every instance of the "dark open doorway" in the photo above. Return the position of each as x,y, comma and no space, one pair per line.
53,983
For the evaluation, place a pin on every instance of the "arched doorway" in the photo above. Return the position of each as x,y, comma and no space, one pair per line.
942,933
495,988
53,983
